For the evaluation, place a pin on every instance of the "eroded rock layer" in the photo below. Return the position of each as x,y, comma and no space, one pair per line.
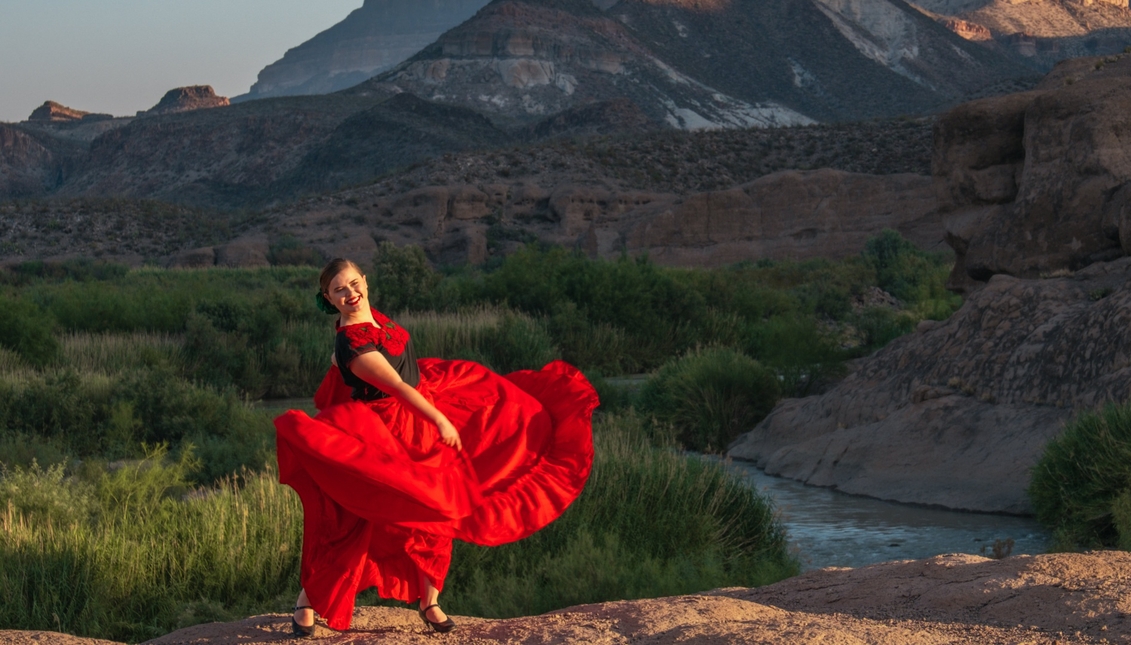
957,413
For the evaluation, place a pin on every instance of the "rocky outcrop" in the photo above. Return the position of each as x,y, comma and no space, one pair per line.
1039,182
967,30
788,215
187,99
958,413
52,112
1040,33
371,40
952,599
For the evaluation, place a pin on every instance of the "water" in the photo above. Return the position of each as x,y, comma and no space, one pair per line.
828,528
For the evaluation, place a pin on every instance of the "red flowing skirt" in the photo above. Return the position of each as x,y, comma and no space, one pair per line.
383,498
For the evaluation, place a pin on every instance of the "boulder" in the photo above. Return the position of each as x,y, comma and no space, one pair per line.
958,413
1038,182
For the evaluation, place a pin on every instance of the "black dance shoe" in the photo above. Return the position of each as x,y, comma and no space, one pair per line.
444,627
301,631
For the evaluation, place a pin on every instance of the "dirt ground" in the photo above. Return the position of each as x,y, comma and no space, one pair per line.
953,599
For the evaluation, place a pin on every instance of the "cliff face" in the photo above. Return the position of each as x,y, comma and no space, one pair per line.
372,39
1035,190
711,64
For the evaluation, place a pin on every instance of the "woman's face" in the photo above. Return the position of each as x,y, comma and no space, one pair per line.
348,292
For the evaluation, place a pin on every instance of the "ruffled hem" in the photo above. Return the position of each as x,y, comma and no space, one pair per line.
383,497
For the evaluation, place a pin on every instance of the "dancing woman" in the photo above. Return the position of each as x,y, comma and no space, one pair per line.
405,455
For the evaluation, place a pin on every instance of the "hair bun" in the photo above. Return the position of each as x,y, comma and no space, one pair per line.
323,304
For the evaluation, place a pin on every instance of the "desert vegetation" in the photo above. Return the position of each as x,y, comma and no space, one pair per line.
1081,487
137,493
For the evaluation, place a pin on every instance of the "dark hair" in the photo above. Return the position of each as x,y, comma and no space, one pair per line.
331,271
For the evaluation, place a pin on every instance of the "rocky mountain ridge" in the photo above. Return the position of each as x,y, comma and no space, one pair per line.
1038,32
370,40
693,65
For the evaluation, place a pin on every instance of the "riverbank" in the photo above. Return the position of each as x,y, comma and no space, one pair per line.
1057,598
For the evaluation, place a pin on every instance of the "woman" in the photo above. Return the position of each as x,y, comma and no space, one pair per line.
405,455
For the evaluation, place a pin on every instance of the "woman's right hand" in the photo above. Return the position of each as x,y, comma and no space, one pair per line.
449,436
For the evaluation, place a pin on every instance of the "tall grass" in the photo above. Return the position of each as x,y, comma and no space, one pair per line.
1081,485
651,522
127,561
127,555
116,353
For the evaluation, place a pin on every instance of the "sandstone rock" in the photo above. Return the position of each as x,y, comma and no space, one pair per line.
187,99
787,215
958,414
426,208
1035,183
52,112
966,29
243,253
468,202
948,599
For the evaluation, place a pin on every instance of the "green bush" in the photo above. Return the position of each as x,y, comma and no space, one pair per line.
401,278
27,330
1083,477
710,397
98,416
796,348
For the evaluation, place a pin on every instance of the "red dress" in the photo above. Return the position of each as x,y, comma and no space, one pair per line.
383,498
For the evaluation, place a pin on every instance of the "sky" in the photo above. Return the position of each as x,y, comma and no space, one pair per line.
121,56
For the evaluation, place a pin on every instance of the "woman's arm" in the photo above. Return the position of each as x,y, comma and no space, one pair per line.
374,368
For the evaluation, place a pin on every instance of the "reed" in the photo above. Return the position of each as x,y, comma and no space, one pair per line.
128,555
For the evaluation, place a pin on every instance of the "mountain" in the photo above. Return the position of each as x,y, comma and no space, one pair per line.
1039,32
702,63
369,41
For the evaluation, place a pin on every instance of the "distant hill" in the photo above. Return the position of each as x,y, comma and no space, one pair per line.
691,64
370,40
1039,33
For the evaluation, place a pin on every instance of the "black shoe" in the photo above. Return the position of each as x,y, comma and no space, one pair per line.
444,627
302,631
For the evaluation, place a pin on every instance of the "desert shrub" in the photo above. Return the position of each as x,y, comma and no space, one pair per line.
289,251
710,397
1121,518
907,273
27,330
801,354
880,325
402,278
599,346
519,343
99,416
1082,478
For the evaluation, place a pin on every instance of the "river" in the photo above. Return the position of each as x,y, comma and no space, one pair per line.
828,528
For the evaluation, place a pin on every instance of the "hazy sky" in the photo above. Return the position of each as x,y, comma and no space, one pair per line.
121,56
